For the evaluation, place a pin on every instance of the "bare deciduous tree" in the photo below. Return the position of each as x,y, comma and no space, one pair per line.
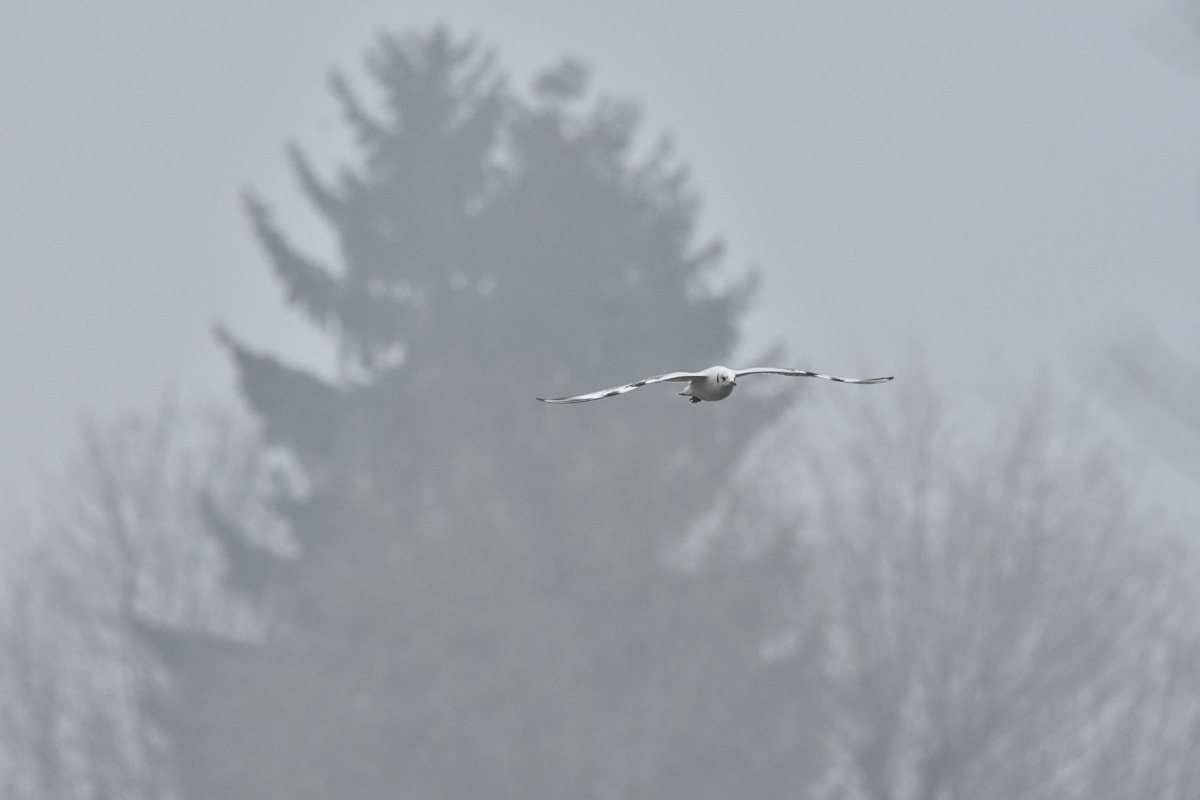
979,612
115,551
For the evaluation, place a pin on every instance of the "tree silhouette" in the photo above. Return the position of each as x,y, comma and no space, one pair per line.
115,556
482,606
979,610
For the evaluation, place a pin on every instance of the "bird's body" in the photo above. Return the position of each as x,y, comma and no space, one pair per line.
714,383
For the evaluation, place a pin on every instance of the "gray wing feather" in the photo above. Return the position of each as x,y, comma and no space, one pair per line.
629,387
800,373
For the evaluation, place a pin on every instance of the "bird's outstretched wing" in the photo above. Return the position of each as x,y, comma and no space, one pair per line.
801,373
629,387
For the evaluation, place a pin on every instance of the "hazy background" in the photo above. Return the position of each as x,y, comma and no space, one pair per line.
405,577
998,186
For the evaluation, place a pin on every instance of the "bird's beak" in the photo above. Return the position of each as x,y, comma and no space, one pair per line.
733,383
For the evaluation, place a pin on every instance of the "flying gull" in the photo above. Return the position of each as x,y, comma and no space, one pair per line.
714,383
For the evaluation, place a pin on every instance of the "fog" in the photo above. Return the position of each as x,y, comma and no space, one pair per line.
350,531
997,187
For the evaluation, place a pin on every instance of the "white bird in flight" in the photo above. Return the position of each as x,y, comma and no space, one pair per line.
714,383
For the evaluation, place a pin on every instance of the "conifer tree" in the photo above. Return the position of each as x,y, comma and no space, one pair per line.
482,607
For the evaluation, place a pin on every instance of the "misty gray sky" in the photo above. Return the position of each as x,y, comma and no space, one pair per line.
1000,186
